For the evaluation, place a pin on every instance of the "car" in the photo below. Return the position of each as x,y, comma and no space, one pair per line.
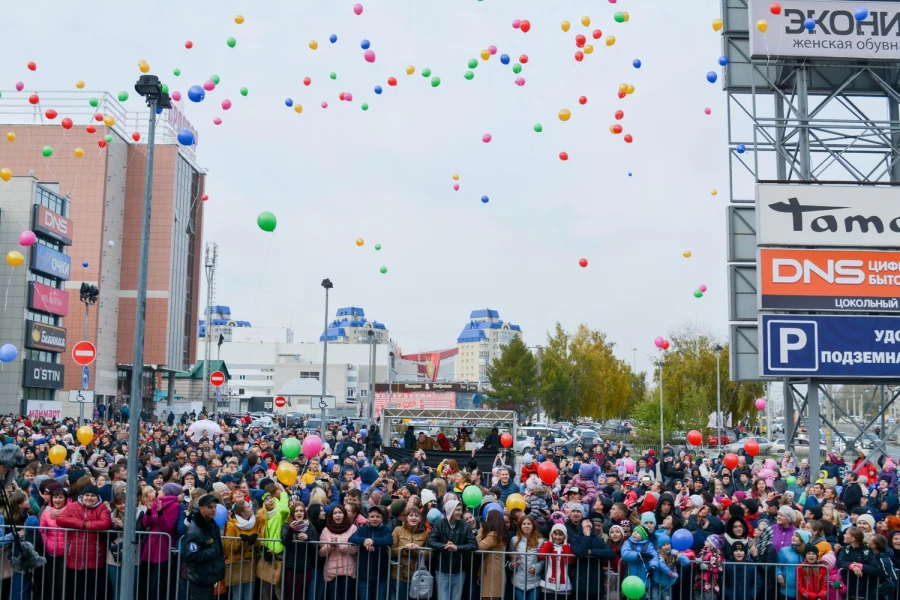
738,446
801,446
728,437
265,423
868,441
589,436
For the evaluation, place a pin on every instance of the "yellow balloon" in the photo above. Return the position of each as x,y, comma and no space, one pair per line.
109,120
79,84
79,152
485,54
286,473
686,254
298,108
455,177
360,241
565,114
239,19
623,87
586,21
14,258
11,136
313,45
630,89
410,70
85,435
717,24
610,40
5,174
565,25
515,501
627,17
762,25
588,49
144,67
57,455
612,129
714,192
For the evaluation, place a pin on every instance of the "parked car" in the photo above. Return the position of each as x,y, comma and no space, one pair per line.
728,437
588,435
868,441
738,446
801,446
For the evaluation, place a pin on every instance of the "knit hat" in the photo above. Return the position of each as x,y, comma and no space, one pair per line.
648,517
868,519
804,535
716,541
171,489
810,549
220,487
397,507
528,459
864,480
368,475
90,489
739,545
650,502
622,531
575,506
697,500
829,560
562,528
662,539
641,532
625,525
427,496
787,512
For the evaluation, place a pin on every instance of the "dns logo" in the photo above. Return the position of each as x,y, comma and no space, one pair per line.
793,345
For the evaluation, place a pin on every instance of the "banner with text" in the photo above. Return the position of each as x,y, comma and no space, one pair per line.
407,400
44,409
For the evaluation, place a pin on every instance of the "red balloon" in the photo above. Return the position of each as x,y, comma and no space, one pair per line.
597,34
665,345
51,114
694,437
582,263
563,156
90,129
751,447
619,114
582,100
621,94
506,440
617,128
189,44
392,81
307,81
731,460
579,56
98,117
32,66
775,8
136,136
525,26
66,123
523,58
101,143
548,472
34,99
580,40
204,198
628,138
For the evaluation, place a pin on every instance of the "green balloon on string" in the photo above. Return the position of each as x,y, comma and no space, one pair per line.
383,270
633,587
244,91
291,448
176,72
164,88
123,96
435,81
47,151
538,127
231,42
108,138
698,294
517,68
426,72
619,17
94,102
378,246
469,75
215,79
333,75
364,106
473,63
266,221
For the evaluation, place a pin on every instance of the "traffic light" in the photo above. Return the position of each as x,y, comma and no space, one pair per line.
89,293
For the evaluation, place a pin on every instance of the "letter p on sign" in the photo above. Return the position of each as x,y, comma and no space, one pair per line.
790,339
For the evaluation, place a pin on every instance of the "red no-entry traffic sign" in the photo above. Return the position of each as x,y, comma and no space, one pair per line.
280,401
84,353
217,378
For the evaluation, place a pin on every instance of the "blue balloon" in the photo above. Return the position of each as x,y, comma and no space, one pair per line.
489,507
712,76
861,13
363,432
810,24
504,58
629,173
8,353
364,44
377,89
332,38
434,516
637,63
85,264
682,540
196,93
741,148
723,60
288,102
221,516
159,111
485,199
186,137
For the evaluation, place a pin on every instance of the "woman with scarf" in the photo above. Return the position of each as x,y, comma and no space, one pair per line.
340,555
84,556
241,532
300,556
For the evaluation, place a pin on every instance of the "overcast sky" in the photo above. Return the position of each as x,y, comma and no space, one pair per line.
385,175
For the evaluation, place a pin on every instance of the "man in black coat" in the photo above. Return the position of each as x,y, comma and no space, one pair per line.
204,554
449,539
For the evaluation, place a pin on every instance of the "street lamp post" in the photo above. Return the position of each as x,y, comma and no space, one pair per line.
662,442
718,399
89,295
149,87
370,405
326,283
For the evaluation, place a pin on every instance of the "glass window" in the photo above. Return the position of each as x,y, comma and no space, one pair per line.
185,244
55,202
42,318
38,394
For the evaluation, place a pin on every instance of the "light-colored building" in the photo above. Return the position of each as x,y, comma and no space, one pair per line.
480,342
351,327
221,323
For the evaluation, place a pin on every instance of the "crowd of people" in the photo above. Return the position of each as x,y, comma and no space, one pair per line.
219,515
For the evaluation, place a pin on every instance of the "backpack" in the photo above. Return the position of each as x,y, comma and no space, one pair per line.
422,583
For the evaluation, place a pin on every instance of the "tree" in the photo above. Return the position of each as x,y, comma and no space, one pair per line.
513,378
556,391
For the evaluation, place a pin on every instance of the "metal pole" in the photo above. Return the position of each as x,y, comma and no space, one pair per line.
324,365
85,338
883,430
718,403
540,354
126,577
662,443
206,370
370,413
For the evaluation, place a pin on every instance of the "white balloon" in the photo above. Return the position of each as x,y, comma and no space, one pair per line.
111,244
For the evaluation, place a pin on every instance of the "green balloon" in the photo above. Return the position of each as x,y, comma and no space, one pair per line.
266,221
1,94
469,75
333,75
426,72
231,42
698,294
619,17
633,587
244,91
473,63
472,496
291,448
47,151
108,139
517,68
538,127
123,96
364,106
383,270
791,480
435,81
94,102
215,79
176,72
378,246
164,88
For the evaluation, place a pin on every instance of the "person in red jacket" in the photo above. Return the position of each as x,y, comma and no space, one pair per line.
528,468
812,578
85,556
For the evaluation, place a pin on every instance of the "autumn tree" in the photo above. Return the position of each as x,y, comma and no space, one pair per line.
513,378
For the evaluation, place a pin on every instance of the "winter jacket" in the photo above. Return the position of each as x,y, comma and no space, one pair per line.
86,547
868,582
270,525
834,579
781,536
887,577
556,567
340,555
299,555
374,564
460,534
589,550
508,490
162,526
407,560
521,578
812,582
587,487
493,580
53,537
788,557
203,555
239,551
661,574
741,580
527,471
638,556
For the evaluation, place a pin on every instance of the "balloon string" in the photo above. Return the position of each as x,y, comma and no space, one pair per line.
265,261
8,281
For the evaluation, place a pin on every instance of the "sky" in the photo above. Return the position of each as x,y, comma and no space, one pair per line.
385,175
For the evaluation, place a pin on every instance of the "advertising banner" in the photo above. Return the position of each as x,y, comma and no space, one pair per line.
837,32
829,280
39,336
835,216
44,409
52,225
50,262
844,346
40,374
48,299
438,400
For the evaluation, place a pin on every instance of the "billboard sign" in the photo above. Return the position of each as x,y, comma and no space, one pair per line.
837,32
831,216
410,400
40,336
52,225
50,262
48,299
40,374
829,280
44,409
842,346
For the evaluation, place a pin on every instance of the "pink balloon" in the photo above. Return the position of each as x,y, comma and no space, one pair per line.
348,97
455,187
492,49
357,9
760,404
217,121
369,56
520,81
702,288
20,86
659,342
486,138
209,86
629,465
27,238
226,104
176,96
312,445
517,23
324,105
707,110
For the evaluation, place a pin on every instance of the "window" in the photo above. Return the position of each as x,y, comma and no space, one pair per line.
351,393
48,199
49,357
38,394
42,318
242,377
363,393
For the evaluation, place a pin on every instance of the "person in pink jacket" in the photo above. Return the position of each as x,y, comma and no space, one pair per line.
339,553
85,555
54,540
160,521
